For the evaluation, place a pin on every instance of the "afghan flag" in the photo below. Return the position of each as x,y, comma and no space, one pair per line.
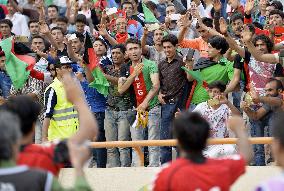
100,82
149,16
17,66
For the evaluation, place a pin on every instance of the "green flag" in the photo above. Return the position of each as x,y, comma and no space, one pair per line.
15,67
100,82
196,75
3,2
149,16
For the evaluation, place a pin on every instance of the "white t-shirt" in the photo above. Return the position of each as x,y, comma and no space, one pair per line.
216,118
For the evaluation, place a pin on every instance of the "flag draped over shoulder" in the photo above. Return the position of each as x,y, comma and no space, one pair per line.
196,75
100,82
16,65
149,16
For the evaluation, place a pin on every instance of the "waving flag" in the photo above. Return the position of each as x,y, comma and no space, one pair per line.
100,82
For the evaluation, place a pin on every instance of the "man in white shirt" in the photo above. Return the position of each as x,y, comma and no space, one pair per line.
20,25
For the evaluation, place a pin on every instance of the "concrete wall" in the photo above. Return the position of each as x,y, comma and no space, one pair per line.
132,179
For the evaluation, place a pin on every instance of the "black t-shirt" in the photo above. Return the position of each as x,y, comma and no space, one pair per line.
125,72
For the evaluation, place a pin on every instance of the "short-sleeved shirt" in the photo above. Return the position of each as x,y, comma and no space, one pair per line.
222,71
115,100
183,174
217,119
260,72
149,68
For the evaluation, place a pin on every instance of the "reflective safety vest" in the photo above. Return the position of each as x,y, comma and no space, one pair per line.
64,122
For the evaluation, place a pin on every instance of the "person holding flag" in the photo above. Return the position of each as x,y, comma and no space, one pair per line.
142,76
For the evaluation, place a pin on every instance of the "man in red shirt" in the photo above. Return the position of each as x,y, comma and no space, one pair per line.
52,156
195,172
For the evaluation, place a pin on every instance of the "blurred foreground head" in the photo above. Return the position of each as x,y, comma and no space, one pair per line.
191,131
278,134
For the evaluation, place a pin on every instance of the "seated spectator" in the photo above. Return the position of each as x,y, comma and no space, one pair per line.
193,171
217,114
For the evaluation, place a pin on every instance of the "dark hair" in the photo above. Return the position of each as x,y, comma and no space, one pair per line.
81,19
57,28
277,5
132,41
27,110
219,43
7,21
151,5
126,3
53,6
32,21
170,38
257,24
102,41
279,85
277,127
80,36
219,85
191,131
37,36
121,47
206,21
277,12
236,16
264,39
62,19
251,28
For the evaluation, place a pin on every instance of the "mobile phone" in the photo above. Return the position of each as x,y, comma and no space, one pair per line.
21,39
153,27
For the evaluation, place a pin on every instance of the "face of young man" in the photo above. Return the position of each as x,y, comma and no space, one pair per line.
203,33
57,35
52,13
275,20
214,92
134,52
2,62
63,70
76,45
237,26
213,52
117,56
271,89
128,8
38,44
62,25
34,28
169,49
11,10
52,70
5,30
263,4
158,35
80,27
121,25
99,48
170,10
261,46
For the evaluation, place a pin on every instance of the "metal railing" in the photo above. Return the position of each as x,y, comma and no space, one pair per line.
171,142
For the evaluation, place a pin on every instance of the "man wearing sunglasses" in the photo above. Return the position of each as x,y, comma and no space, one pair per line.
61,118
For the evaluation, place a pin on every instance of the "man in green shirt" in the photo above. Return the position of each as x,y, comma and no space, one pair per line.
141,77
215,68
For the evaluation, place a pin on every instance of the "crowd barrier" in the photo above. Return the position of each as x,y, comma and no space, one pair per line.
171,142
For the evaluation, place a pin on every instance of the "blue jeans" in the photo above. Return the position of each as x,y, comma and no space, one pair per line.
168,114
5,84
117,128
100,154
258,130
137,133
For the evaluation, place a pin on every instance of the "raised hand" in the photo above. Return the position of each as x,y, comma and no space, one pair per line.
217,5
223,26
43,28
246,34
53,52
138,69
102,30
185,21
249,6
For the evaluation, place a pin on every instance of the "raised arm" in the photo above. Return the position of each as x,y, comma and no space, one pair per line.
43,29
237,125
232,43
234,82
144,46
88,126
103,32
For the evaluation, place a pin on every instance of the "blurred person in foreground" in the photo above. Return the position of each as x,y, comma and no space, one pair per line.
51,156
193,171
276,183
22,178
